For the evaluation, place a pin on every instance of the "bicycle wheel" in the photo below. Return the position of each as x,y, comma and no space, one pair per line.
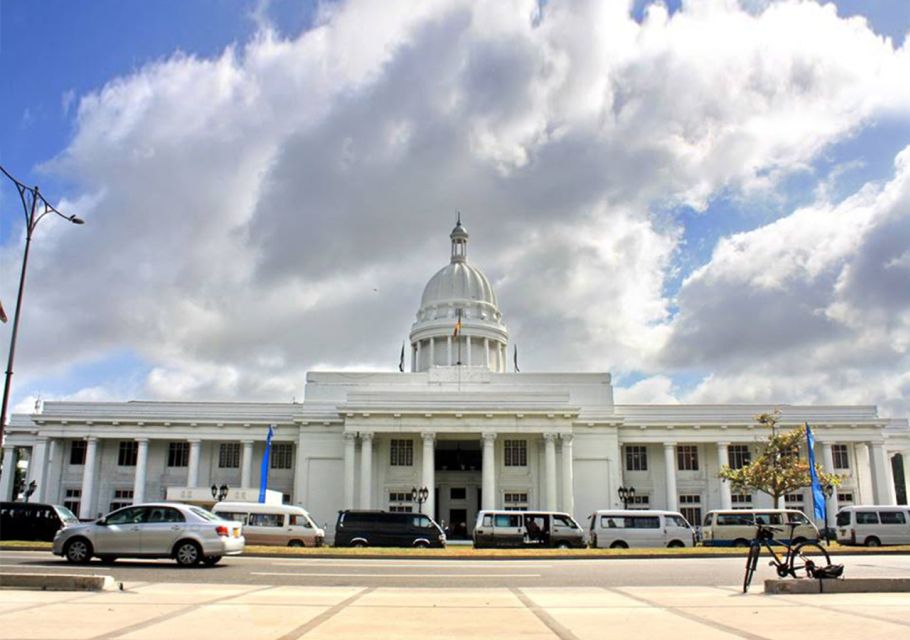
751,563
806,558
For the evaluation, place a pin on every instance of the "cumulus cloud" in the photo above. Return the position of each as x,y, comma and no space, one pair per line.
281,205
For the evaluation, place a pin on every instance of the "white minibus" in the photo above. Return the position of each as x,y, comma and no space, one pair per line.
272,524
873,525
623,529
736,528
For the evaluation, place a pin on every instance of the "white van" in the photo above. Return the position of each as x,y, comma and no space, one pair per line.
639,528
873,525
736,528
272,524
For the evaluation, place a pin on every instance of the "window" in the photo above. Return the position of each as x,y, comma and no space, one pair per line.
741,500
505,520
178,454
676,521
122,498
640,502
402,453
233,515
516,453
72,499
77,452
690,507
891,517
421,522
636,458
866,517
564,521
266,520
794,500
738,456
229,455
687,458
130,515
282,455
515,500
841,459
458,493
734,519
164,514
844,498
400,502
129,450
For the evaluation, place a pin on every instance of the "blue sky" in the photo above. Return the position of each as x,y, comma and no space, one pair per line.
634,215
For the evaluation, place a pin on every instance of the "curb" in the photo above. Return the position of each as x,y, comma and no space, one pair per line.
853,585
57,582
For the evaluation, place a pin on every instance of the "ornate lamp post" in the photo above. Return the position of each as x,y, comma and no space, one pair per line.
220,493
30,489
31,198
829,491
420,496
626,494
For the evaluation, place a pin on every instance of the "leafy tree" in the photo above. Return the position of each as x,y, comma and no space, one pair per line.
778,469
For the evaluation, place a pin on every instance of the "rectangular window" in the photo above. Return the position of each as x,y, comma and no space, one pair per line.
636,458
266,520
400,502
738,456
690,507
122,498
516,453
687,459
402,453
178,454
793,500
891,517
515,500
229,455
129,451
841,459
77,452
458,493
72,499
741,500
844,498
282,455
866,517
640,502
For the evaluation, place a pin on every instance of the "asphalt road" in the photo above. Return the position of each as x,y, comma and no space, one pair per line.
420,573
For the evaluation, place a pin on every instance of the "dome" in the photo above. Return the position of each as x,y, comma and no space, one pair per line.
457,282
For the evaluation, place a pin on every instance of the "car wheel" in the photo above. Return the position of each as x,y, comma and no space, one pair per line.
359,544
421,544
740,542
563,545
295,543
78,551
107,559
619,544
187,553
797,541
872,541
675,544
211,561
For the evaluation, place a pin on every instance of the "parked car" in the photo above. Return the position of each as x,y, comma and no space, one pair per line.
736,528
873,525
33,521
623,529
273,524
186,533
527,529
385,529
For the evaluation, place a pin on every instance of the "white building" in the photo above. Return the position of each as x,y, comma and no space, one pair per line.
457,423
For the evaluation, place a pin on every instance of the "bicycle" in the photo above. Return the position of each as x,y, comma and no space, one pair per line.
802,560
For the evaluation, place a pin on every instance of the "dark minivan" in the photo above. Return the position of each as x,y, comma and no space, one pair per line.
33,521
385,529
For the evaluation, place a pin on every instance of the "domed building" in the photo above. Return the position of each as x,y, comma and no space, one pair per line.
459,423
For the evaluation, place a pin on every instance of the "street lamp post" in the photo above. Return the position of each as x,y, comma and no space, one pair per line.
829,491
420,496
626,494
220,493
30,489
30,198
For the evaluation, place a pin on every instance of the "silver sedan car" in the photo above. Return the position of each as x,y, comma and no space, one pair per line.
186,533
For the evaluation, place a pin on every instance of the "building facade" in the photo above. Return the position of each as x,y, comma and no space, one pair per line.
457,423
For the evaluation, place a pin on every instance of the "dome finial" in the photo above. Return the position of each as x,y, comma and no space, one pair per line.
459,238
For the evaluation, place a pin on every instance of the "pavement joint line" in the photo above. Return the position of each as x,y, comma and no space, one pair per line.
38,605
174,614
858,614
326,615
384,576
683,613
562,632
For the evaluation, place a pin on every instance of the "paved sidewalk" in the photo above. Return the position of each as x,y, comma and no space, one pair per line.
203,611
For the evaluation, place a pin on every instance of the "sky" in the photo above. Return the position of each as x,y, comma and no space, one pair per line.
708,198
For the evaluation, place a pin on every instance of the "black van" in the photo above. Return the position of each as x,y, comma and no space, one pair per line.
33,521
384,529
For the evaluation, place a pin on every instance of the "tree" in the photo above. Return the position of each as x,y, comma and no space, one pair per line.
778,469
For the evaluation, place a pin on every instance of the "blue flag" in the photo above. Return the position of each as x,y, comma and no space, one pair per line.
818,495
264,472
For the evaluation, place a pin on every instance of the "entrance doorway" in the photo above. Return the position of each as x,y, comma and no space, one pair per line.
458,524
458,482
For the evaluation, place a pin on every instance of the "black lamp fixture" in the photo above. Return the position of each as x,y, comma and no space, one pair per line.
626,494
420,496
829,491
30,489
220,493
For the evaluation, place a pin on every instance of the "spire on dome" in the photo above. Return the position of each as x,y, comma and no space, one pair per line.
459,238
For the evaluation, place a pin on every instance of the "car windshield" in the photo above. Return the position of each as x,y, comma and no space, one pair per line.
67,516
206,515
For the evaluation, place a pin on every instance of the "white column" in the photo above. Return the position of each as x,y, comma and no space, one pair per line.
428,477
301,476
863,474
486,352
723,458
670,468
51,473
417,355
192,474
36,467
906,461
142,456
502,358
468,343
828,462
414,357
881,467
86,502
449,360
489,471
246,464
366,470
432,353
350,444
9,471
550,469
568,476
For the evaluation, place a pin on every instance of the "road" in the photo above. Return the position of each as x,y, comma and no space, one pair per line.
421,573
